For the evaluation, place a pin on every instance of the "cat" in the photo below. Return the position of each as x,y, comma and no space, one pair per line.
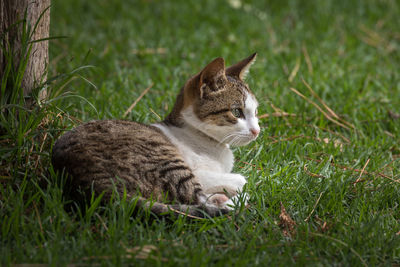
185,159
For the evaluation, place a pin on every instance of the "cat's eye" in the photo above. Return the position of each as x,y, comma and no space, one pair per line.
237,112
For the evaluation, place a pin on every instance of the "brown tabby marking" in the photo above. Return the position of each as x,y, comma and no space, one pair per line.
139,155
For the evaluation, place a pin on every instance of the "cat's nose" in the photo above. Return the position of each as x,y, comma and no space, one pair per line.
255,132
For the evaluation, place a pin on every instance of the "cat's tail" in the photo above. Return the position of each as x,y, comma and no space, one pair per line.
190,211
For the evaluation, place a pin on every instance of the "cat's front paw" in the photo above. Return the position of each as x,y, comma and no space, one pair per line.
221,201
231,185
238,182
230,205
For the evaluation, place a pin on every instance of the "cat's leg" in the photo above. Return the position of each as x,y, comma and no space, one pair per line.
182,184
217,182
222,189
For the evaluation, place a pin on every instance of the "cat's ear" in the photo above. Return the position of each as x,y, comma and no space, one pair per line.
241,68
212,77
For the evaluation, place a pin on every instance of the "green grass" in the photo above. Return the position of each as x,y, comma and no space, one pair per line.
347,51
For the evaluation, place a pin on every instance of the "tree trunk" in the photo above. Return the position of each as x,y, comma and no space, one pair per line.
12,11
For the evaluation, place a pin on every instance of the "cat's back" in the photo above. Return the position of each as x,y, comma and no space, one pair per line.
109,137
100,150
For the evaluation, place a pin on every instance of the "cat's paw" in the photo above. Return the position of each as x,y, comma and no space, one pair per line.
238,181
231,186
230,205
220,200
217,199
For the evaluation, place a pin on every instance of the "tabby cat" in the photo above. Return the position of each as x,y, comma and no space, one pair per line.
185,159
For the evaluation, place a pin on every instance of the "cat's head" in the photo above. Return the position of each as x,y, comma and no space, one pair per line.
219,103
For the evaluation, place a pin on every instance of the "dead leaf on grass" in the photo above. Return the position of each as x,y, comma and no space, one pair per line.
286,223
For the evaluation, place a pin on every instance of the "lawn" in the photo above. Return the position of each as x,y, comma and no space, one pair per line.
323,177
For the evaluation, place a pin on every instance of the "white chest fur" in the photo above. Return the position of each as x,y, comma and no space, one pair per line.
210,161
198,150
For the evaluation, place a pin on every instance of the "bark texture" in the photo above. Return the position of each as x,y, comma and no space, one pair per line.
12,11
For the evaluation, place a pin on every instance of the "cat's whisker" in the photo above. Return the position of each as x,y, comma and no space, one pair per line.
235,140
226,137
235,134
239,139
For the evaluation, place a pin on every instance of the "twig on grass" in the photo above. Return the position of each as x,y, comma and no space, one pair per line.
38,216
137,100
102,222
234,223
277,114
374,39
312,174
185,214
387,177
308,60
356,170
278,110
313,209
323,225
384,167
247,163
294,71
155,113
40,150
320,109
389,134
361,173
347,140
331,112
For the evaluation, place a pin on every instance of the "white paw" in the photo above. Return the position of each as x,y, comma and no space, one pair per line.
217,199
238,181
220,200
230,205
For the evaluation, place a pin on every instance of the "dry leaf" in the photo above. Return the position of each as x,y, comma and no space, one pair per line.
287,225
